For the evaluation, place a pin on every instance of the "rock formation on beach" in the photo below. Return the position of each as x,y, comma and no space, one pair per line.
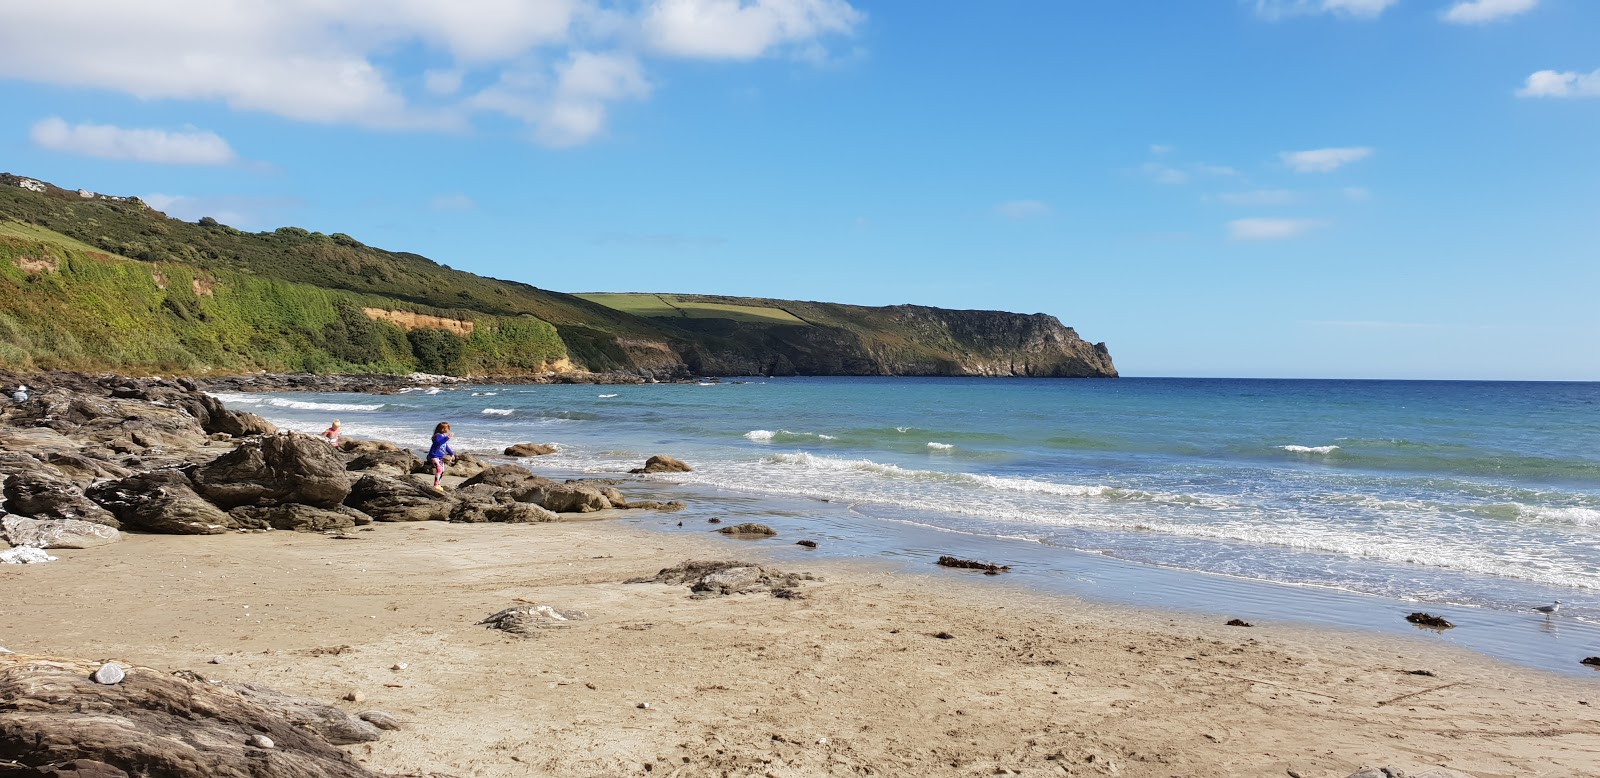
205,298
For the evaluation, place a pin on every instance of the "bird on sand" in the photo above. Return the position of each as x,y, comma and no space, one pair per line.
1548,609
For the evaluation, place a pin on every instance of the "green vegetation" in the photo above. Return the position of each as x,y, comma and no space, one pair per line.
670,306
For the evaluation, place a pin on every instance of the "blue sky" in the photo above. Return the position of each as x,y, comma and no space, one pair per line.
1317,188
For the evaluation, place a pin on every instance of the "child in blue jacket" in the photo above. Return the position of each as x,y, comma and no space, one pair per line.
440,450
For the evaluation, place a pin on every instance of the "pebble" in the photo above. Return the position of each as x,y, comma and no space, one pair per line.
109,673
355,695
219,660
260,741
380,719
399,666
644,706
4,650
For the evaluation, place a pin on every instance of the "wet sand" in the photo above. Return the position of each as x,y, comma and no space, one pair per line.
849,681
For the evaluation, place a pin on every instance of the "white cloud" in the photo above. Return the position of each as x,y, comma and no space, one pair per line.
1356,9
232,210
1260,197
1271,229
1357,194
1161,148
735,29
454,202
333,62
189,147
1181,174
1480,11
1323,160
1549,83
1022,209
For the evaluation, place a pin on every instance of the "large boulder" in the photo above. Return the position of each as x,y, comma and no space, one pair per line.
44,494
464,466
56,533
161,501
240,424
530,450
506,477
563,498
662,464
399,499
296,517
385,462
174,726
276,470
506,512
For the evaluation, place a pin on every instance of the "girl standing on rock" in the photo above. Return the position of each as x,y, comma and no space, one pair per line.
440,450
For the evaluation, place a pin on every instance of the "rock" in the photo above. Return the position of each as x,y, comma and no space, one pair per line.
239,424
524,620
464,466
329,723
109,673
563,498
399,499
355,695
390,463
24,555
398,666
260,741
968,564
508,513
652,505
713,521
1378,772
715,579
944,636
506,477
76,768
43,494
806,543
84,470
1429,620
530,450
276,470
613,496
355,446
749,529
219,660
56,533
1239,623
296,517
161,501
1592,661
380,719
662,464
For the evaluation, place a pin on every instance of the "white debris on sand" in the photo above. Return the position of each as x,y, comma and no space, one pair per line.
25,555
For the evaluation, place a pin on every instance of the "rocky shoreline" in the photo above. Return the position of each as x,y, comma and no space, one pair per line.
87,458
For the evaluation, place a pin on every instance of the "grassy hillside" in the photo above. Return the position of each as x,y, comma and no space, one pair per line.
95,282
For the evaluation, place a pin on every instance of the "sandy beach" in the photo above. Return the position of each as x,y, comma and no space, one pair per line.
850,680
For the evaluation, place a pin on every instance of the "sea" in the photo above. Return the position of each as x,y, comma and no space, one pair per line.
1321,502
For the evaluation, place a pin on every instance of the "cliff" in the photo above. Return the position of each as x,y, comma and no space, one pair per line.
97,282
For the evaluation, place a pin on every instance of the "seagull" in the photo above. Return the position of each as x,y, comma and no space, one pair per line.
1548,609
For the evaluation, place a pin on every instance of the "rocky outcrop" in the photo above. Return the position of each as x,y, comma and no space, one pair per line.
277,470
563,498
297,517
56,533
161,501
530,450
175,726
399,499
43,494
662,464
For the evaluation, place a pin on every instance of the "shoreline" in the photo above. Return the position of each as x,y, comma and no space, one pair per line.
750,684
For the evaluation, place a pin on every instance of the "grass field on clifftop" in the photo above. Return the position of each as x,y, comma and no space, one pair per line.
668,306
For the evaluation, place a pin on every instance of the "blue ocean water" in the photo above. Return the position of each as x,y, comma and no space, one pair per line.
1484,494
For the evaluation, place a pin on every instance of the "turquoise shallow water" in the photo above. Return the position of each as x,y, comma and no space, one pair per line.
1483,495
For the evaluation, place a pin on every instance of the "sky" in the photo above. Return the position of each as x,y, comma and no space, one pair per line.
1251,188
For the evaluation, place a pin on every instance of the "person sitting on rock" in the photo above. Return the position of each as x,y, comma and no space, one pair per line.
439,451
332,434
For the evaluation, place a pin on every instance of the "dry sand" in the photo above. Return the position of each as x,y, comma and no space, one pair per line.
850,681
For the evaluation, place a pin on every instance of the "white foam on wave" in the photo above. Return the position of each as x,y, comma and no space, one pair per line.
837,464
902,430
606,396
1587,517
820,436
760,436
299,405
1310,449
499,411
940,446
484,394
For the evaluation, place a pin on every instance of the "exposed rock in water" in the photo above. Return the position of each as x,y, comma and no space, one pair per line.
56,533
161,501
662,464
749,529
524,620
277,470
399,499
653,505
806,543
43,494
715,579
1239,623
153,724
1592,661
988,568
1429,620
530,450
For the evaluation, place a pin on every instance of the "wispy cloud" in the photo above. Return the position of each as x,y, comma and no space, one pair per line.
1323,160
1354,9
730,29
1260,197
455,201
1175,174
244,212
1255,229
1550,83
1022,209
1481,11
105,141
